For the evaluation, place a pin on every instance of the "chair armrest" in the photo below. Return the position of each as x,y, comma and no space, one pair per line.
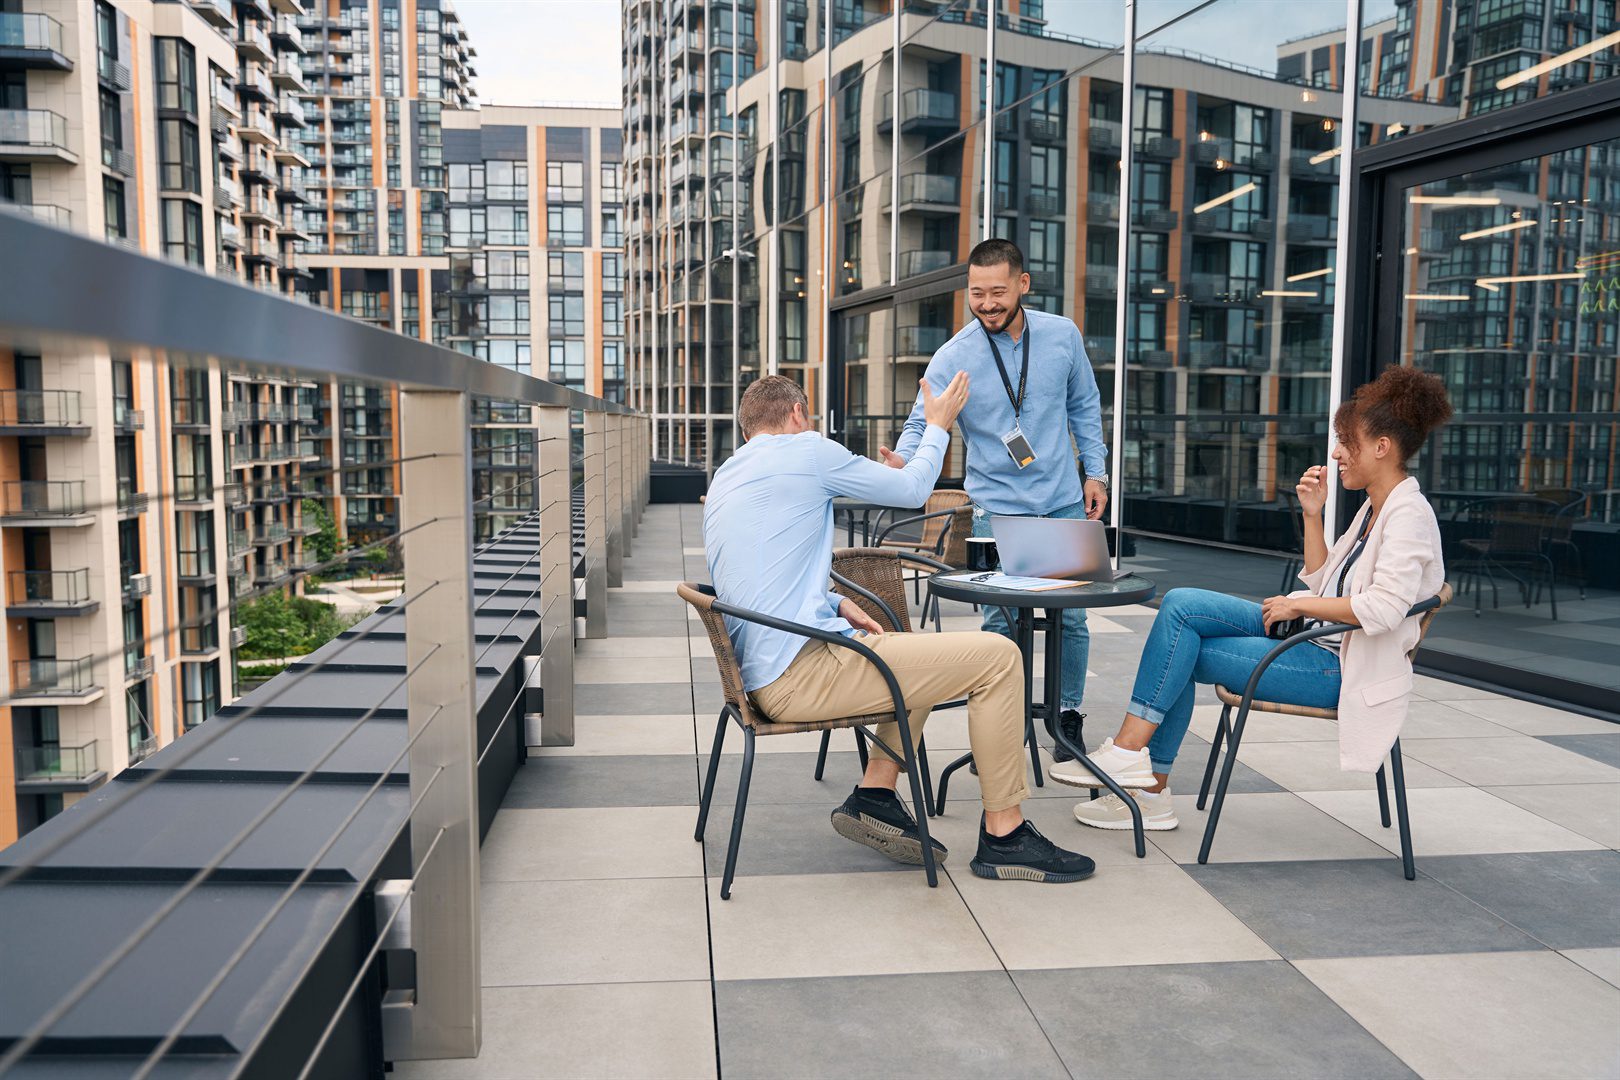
1424,605
1326,630
891,526
883,606
818,634
936,564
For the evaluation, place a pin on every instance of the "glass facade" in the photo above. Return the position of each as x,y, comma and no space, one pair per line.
808,211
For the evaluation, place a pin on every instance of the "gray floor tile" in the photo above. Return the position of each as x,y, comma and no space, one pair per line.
1523,1014
1565,899
584,1034
1188,772
630,698
591,842
1592,810
1239,1020
1604,963
1354,908
956,1024
786,778
1604,748
789,838
643,780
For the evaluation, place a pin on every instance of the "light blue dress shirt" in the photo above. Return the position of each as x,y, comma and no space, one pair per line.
1061,402
768,533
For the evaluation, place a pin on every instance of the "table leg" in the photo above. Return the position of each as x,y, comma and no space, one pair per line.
849,519
1026,647
1054,700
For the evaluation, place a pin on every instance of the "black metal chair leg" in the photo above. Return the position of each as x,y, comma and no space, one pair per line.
1214,752
1383,798
912,770
821,755
714,768
860,747
738,812
1397,774
945,782
927,777
1220,788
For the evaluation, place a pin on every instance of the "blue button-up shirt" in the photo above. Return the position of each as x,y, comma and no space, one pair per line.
1062,412
768,533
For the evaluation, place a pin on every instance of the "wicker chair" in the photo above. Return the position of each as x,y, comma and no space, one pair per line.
754,723
1245,703
875,579
947,521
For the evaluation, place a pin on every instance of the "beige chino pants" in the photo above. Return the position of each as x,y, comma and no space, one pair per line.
827,681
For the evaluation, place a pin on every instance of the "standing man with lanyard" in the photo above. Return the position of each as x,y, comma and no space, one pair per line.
1021,445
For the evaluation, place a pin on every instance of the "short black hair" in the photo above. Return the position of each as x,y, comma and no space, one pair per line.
996,252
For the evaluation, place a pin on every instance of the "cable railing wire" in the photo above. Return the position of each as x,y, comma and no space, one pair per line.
287,894
376,946
184,754
64,1005
207,616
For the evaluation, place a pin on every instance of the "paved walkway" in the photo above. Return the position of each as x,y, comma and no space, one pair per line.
1298,952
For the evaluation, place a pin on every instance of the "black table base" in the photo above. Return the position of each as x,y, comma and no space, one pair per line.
1052,623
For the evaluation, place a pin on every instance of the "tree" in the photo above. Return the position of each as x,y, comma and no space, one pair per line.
324,544
273,627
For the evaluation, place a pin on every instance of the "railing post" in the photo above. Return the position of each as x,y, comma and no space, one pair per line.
629,445
596,528
557,578
443,1020
613,459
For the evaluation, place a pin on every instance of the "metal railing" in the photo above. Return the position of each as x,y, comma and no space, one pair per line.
49,588
323,848
28,31
42,408
53,763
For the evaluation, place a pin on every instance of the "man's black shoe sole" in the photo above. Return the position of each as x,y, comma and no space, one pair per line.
1025,873
882,837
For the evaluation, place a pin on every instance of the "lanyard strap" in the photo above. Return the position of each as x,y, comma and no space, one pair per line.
1023,371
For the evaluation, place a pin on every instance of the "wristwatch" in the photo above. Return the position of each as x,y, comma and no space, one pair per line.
1103,480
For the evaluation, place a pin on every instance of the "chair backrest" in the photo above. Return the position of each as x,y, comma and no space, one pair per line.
725,657
1519,523
882,571
1427,618
941,499
955,552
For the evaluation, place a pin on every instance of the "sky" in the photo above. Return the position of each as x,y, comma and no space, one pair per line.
554,51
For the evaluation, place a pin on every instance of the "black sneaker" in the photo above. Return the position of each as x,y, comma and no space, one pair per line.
1071,723
877,818
1025,855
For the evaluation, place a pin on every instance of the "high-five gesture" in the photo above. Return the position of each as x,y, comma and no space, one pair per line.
941,410
1312,490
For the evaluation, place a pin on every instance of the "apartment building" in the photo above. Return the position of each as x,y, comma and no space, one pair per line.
139,494
536,272
377,76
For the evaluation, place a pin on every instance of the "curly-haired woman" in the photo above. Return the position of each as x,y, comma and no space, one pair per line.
1386,561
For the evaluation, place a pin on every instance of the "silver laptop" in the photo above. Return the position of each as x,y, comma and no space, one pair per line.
1053,548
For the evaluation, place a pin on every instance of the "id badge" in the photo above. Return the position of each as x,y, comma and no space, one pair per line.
1018,447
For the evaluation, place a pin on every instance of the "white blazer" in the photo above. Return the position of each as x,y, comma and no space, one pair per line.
1401,565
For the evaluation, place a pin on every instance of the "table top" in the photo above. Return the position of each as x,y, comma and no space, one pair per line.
1130,589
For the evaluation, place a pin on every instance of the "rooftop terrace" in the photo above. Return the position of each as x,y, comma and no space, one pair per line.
1299,950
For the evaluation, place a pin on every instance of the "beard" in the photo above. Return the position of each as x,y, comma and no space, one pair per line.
1006,321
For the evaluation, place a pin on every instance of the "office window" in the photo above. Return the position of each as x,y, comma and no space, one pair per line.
566,225
178,151
506,181
612,183
112,129
567,363
565,181
112,196
199,689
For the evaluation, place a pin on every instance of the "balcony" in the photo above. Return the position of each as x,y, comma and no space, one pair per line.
49,594
914,341
288,75
32,41
270,572
126,418
137,667
929,192
34,135
1102,209
1103,135
59,216
289,110
1313,164
41,413
130,500
217,12
926,112
73,679
269,535
43,770
252,43
45,503
285,33
916,263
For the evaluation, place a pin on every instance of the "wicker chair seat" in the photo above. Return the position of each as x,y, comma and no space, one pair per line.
1227,697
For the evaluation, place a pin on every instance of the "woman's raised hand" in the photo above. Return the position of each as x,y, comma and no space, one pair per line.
1312,490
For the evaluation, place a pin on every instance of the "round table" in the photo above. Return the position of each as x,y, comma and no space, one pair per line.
1023,608
851,507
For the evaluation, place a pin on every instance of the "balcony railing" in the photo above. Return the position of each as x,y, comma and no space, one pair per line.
919,340
28,33
49,588
913,263
53,678
39,408
26,130
313,908
44,498
48,764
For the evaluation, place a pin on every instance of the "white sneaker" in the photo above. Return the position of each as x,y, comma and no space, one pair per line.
1127,768
1110,812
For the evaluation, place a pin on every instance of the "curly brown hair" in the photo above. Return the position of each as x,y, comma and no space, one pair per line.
1403,403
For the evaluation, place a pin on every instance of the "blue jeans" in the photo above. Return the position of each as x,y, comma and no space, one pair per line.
1208,637
1076,638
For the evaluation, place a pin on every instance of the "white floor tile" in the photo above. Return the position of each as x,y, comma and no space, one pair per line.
1451,821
